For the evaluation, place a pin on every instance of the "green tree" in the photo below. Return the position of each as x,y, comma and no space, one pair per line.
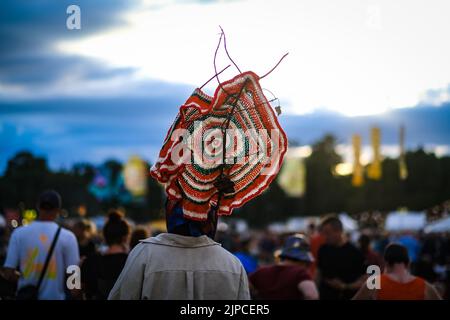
321,193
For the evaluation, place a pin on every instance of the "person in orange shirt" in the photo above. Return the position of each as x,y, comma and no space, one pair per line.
316,241
397,283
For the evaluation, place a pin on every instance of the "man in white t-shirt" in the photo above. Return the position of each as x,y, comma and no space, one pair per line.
29,245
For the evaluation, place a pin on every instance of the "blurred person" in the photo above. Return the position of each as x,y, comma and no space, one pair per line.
139,233
432,245
446,264
100,271
184,263
224,237
311,230
84,231
249,262
413,246
316,241
4,238
371,257
7,288
267,245
397,283
29,248
424,268
289,279
341,269
381,242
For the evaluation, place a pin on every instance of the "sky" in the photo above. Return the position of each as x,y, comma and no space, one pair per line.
112,88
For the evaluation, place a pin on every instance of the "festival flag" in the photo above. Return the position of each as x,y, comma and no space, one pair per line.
135,176
374,170
403,170
358,170
100,185
292,176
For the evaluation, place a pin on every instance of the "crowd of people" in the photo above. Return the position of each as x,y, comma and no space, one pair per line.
208,260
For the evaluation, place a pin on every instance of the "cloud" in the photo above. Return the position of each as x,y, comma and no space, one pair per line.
28,33
337,59
40,71
38,24
73,130
424,125
436,97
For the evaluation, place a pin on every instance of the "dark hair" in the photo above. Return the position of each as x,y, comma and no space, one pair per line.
139,233
82,224
364,241
116,228
49,200
396,253
333,221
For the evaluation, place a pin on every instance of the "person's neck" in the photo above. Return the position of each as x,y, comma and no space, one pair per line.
47,215
399,273
291,263
365,250
286,263
340,242
46,219
117,248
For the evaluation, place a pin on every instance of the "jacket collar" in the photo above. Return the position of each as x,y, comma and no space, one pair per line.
175,240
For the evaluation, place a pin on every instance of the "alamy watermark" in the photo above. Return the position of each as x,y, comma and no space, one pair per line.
73,21
73,281
213,147
373,282
374,17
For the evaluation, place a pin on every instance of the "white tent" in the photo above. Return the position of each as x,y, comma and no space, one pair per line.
348,222
235,224
277,227
239,225
442,225
300,224
405,221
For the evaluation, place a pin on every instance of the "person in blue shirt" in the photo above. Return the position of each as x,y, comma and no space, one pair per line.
249,262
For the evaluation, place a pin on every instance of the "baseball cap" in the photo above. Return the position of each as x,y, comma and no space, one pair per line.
297,248
49,200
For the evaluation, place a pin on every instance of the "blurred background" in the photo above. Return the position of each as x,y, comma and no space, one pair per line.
365,97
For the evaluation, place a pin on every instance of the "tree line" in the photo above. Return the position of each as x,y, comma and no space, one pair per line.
427,184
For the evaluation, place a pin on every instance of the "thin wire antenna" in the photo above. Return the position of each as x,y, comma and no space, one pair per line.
215,66
215,56
274,96
215,76
226,50
275,66
278,107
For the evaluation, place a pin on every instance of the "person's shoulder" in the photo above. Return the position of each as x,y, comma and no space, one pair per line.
352,247
354,251
67,235
324,248
141,250
17,232
431,293
260,273
66,232
92,260
224,252
301,273
264,269
227,256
